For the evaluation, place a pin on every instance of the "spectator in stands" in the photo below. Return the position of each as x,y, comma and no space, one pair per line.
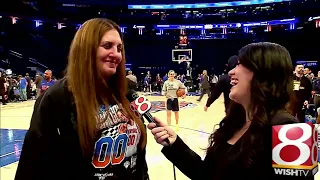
3,88
316,91
302,92
38,81
23,87
307,72
47,82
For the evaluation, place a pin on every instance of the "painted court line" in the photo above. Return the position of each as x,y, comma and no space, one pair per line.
190,129
4,155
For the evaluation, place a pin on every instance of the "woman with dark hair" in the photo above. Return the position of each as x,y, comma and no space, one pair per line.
241,147
82,127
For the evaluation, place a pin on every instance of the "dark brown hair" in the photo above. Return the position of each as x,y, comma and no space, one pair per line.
88,86
271,89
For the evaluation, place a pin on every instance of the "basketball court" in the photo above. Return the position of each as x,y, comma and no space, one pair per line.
195,126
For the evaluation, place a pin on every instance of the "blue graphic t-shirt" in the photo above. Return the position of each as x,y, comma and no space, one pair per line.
45,85
115,152
23,83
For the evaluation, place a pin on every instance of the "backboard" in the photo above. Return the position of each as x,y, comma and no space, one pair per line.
179,55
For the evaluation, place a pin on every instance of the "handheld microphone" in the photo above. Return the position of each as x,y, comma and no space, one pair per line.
295,149
141,106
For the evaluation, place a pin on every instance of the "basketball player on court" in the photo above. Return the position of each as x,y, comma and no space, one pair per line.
169,89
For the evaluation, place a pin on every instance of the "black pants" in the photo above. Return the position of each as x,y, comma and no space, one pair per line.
298,112
158,87
2,94
28,92
316,100
203,92
212,86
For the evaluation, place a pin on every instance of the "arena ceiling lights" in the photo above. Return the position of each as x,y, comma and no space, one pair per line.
229,25
204,5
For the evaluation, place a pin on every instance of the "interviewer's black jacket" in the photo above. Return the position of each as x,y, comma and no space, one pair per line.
228,166
51,147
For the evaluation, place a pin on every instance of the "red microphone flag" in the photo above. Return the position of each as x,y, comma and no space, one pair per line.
295,149
140,105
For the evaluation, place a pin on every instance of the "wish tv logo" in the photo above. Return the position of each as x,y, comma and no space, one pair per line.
157,106
295,149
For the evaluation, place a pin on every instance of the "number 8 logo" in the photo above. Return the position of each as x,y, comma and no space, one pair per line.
315,147
299,143
142,105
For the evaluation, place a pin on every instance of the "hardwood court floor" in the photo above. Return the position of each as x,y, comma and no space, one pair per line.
195,124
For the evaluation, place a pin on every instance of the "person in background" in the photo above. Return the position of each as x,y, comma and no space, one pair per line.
261,87
3,88
214,81
10,92
83,127
23,84
205,85
27,77
47,81
318,118
165,77
158,83
223,86
183,78
132,81
307,72
147,82
169,89
54,79
199,80
132,77
38,82
316,91
302,93
33,89
312,77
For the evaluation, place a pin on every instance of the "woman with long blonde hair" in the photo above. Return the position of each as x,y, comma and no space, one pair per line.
76,130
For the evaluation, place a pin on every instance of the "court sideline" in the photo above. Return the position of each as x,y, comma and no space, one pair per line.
195,126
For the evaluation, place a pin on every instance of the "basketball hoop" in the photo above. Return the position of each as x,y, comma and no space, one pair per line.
182,60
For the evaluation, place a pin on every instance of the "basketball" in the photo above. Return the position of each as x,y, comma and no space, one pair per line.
180,92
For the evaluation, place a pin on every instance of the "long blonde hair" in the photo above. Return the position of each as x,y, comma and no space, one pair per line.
89,88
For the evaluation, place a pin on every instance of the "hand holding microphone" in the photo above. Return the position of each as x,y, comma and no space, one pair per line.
162,132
